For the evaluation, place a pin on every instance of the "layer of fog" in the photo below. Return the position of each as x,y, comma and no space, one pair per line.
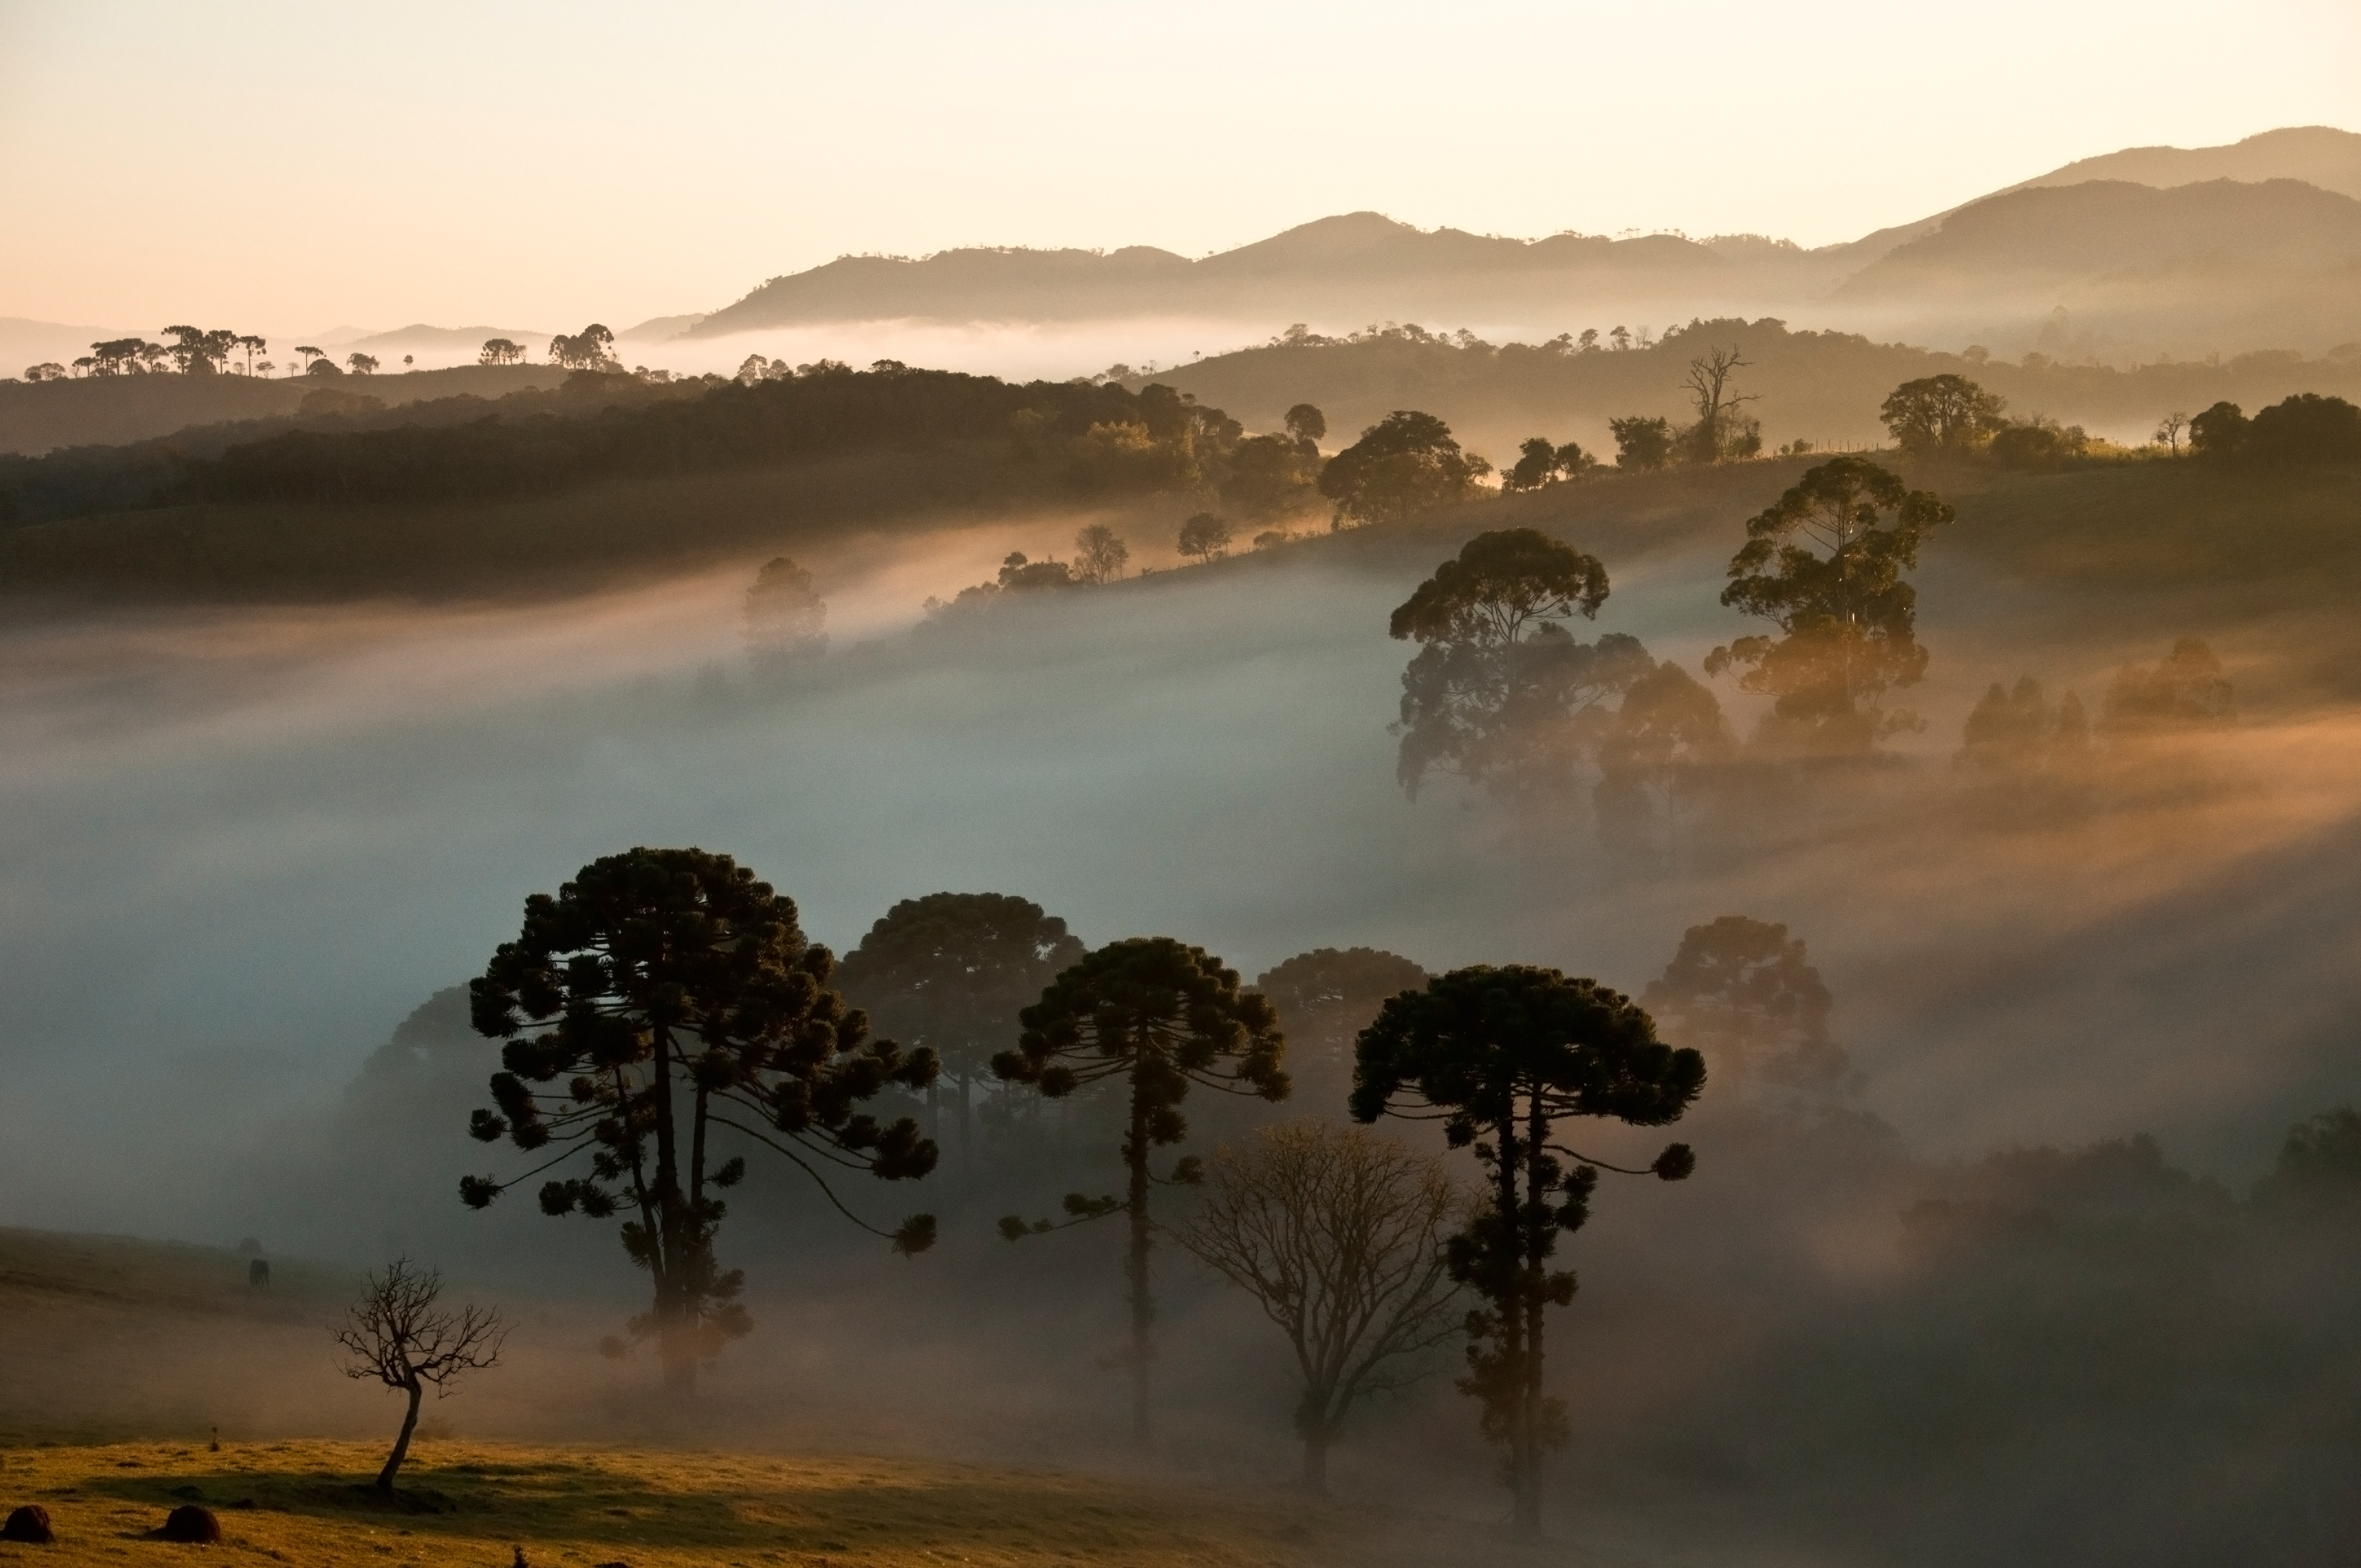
240,847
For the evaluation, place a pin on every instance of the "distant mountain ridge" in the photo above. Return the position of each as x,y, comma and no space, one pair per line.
1351,256
2066,234
1365,265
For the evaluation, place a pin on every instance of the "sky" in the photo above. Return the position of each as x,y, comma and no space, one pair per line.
531,165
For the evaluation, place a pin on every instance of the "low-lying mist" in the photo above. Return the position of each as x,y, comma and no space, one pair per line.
240,847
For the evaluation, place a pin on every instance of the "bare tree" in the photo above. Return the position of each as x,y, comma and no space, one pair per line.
399,1335
1339,1233
2168,433
1100,553
1716,431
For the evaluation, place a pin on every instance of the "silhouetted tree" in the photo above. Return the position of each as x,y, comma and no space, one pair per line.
309,354
323,367
952,970
361,364
1501,1055
1722,432
1324,999
2038,443
500,351
2305,428
1848,618
1206,536
1272,475
2218,433
1338,1235
123,356
1742,993
252,347
1540,462
1158,1016
2183,691
1499,694
46,370
1667,741
398,1333
1100,553
2169,429
1406,463
199,352
666,993
1304,423
786,617
2319,1166
1941,413
589,349
1641,445
2025,760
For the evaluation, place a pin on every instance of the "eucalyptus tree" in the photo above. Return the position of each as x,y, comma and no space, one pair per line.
658,996
1747,996
1501,1056
1406,463
1500,693
1825,564
1325,998
1155,1017
1941,413
951,971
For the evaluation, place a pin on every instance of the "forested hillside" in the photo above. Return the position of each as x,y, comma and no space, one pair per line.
1820,387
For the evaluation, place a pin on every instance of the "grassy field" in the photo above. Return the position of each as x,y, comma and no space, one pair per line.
477,1503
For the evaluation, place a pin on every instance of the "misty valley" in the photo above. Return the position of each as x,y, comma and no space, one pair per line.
1727,943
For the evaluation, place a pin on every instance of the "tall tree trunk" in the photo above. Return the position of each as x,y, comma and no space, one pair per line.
401,1444
1534,1303
1143,1308
676,1349
1315,1461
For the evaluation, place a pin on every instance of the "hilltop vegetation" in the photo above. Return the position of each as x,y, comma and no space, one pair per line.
114,409
1821,387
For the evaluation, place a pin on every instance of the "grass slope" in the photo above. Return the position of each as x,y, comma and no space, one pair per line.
478,1503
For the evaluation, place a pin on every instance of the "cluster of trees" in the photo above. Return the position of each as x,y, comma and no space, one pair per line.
1111,437
1951,416
592,348
1504,696
2305,429
1100,557
2031,760
195,351
662,1017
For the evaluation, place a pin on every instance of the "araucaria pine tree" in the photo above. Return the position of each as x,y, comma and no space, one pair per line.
1157,1016
1500,1057
660,995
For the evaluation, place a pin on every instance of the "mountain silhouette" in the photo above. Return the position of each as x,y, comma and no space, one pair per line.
2285,194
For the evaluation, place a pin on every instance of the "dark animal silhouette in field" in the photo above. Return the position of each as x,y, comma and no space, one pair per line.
30,1525
192,1525
258,1273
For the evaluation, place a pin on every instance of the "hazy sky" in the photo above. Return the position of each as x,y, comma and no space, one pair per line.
297,166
